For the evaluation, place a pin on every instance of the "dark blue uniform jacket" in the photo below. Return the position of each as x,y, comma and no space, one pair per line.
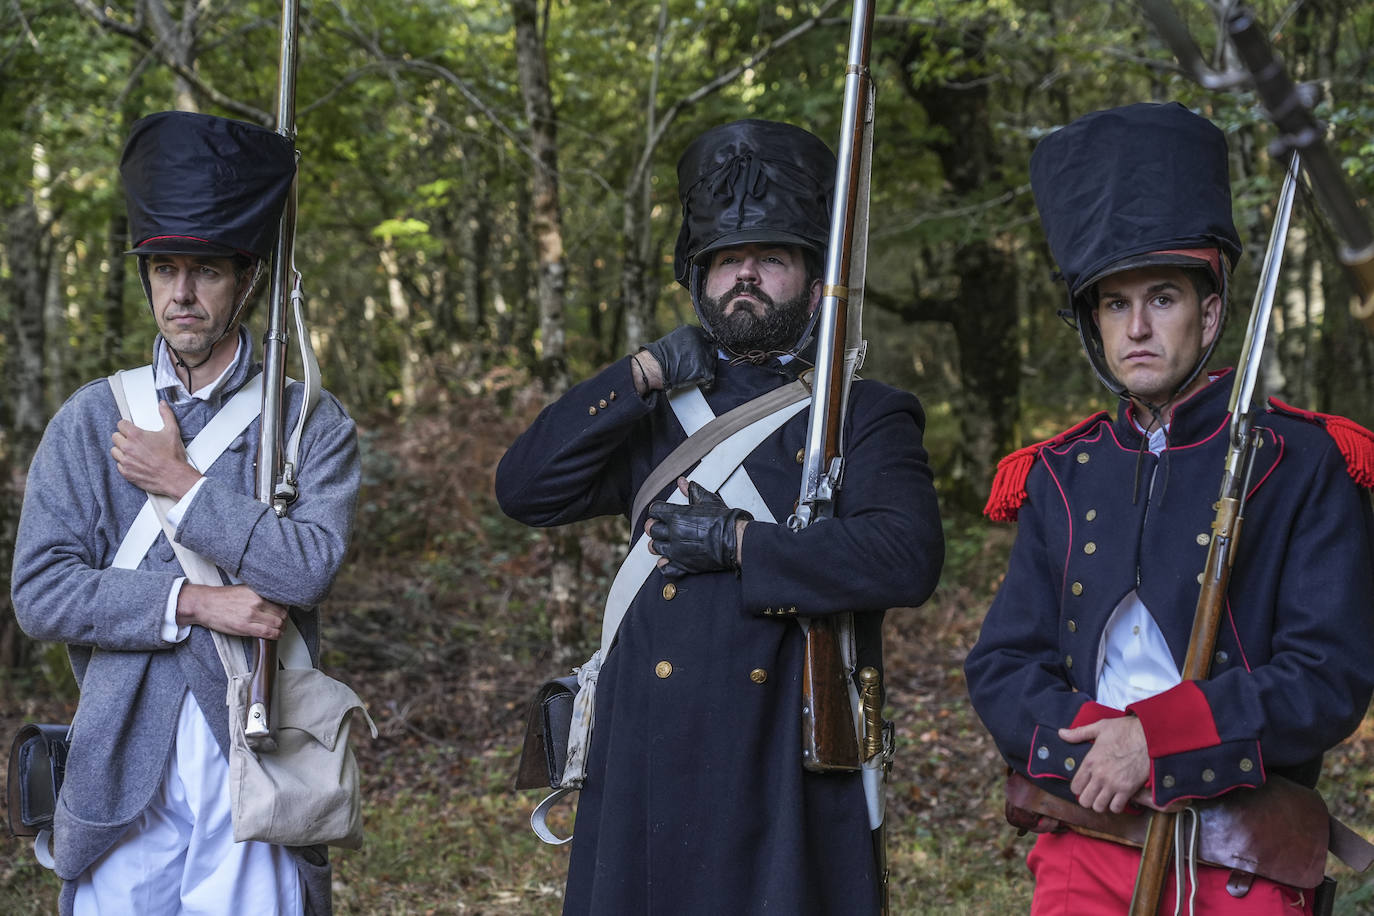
1292,673
696,801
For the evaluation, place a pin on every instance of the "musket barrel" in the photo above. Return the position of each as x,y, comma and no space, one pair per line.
1257,331
822,431
259,726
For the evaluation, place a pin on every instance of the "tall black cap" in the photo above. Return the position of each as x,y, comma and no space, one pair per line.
753,181
1115,187
200,184
1137,186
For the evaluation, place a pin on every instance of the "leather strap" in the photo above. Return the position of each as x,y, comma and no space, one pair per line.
714,432
1281,831
717,471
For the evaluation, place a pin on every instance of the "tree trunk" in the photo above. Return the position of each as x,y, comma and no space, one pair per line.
20,431
546,218
400,312
984,308
546,226
179,38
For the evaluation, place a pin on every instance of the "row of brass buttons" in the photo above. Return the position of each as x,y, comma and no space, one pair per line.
601,404
664,670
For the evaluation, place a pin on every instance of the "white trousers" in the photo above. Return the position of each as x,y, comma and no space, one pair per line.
180,855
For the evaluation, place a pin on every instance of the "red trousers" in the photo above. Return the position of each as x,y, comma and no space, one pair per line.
1080,876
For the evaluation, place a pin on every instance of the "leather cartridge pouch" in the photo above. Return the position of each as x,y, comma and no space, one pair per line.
545,750
1279,831
38,758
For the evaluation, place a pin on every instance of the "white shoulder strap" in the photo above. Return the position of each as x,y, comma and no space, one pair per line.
135,393
140,401
721,470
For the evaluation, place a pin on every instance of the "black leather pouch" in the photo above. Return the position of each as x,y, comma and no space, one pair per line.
545,750
38,757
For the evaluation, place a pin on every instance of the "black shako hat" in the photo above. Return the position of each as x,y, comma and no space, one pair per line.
199,184
1119,188
1142,185
752,181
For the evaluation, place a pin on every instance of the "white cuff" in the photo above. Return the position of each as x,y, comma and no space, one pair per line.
171,632
175,513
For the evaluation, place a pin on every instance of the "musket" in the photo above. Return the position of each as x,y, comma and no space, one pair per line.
276,482
830,733
1290,108
1243,442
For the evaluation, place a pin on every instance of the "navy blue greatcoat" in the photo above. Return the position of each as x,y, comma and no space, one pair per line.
696,801
1291,675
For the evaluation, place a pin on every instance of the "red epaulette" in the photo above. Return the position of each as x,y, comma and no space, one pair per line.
1355,442
1009,485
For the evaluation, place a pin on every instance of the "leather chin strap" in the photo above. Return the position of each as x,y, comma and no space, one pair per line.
1088,335
233,321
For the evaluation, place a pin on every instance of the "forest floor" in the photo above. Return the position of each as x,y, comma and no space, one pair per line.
438,622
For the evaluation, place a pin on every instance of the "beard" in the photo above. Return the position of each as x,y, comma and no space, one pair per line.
742,332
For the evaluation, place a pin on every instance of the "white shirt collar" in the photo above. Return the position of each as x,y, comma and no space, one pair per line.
165,374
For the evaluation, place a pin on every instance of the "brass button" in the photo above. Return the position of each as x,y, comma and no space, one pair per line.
801,455
1090,548
792,609
663,669
1092,514
1073,626
1070,763
1042,752
1208,776
611,395
1199,578
591,411
1169,782
1082,457
669,592
1076,588
768,612
1068,661
1203,538
1246,764
602,404
758,675
1223,657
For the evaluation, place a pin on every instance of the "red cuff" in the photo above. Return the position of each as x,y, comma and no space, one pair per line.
1177,721
1093,711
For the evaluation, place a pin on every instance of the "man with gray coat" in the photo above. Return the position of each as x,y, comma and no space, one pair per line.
143,822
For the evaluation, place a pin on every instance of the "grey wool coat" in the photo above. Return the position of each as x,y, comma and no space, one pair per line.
76,510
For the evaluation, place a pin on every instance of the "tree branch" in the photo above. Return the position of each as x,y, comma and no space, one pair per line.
136,34
916,309
718,83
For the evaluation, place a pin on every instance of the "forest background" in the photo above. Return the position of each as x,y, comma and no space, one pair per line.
487,211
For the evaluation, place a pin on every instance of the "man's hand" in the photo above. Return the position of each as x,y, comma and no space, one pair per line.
233,609
680,358
702,536
1115,769
154,460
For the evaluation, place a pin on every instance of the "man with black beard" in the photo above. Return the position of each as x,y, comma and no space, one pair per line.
695,799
